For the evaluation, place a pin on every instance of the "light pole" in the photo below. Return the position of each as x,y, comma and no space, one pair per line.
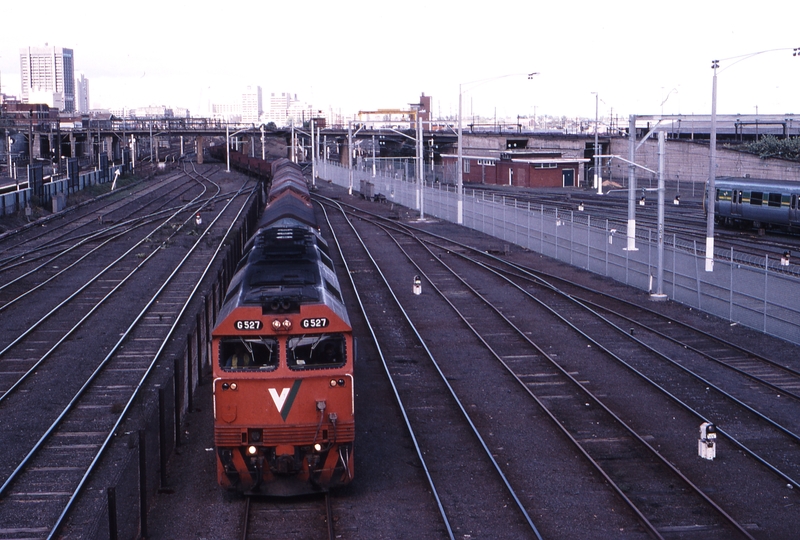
712,153
350,136
313,156
228,136
712,173
420,163
263,144
598,181
460,160
659,294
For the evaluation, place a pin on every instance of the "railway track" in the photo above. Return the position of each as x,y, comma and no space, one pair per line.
74,363
608,379
309,517
89,223
432,407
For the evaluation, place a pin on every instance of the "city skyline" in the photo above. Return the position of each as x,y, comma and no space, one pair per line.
641,59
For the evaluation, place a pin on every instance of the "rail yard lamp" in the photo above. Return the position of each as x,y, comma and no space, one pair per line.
228,136
460,161
598,180
712,153
712,166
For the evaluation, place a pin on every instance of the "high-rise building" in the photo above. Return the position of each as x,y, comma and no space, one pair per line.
286,109
82,94
279,108
251,105
48,75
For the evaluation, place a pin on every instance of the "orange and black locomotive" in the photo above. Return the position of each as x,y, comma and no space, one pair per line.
282,352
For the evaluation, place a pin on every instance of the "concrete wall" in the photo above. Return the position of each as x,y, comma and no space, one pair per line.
688,161
568,146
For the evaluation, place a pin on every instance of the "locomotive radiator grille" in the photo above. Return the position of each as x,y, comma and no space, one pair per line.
294,435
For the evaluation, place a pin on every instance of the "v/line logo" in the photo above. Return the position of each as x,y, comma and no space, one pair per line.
284,400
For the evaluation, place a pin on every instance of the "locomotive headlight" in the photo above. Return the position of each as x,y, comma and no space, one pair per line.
251,450
317,447
279,325
234,386
333,383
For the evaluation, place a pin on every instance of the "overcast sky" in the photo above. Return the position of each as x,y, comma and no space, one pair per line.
367,54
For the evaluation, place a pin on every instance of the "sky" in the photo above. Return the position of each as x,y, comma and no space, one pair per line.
644,58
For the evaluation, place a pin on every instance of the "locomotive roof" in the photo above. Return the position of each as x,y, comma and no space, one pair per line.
284,268
283,257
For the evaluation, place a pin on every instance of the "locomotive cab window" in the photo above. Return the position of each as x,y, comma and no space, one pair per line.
315,351
249,354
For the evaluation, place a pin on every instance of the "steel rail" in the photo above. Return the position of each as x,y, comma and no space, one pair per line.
454,395
30,328
123,414
666,462
397,397
705,355
620,492
698,414
52,247
795,483
686,406
47,433
65,236
57,215
597,400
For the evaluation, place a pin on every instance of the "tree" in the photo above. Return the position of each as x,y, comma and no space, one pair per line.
770,146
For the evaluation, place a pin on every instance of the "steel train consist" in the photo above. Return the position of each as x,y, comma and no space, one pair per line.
282,352
750,202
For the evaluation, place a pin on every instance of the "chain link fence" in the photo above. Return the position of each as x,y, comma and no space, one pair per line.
755,293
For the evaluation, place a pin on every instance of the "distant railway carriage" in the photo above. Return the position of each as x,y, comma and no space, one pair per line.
282,352
751,202
287,178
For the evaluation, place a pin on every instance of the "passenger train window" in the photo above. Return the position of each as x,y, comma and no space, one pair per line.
315,351
775,199
794,202
250,354
756,197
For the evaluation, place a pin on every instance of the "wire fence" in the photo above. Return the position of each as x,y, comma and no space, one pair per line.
757,293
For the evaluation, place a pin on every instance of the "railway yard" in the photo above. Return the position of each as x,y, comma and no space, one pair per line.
498,393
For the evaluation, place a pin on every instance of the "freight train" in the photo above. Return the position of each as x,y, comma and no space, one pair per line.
757,203
282,353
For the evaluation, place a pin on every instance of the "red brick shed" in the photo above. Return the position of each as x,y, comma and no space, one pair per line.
520,170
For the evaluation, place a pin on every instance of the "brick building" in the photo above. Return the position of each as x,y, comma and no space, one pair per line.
520,169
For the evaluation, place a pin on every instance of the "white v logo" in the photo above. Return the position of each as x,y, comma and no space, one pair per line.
279,400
